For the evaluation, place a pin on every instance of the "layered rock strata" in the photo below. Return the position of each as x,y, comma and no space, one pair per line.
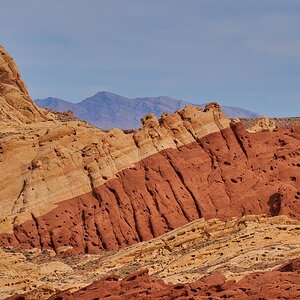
16,106
71,188
268,285
65,183
73,185
263,124
235,248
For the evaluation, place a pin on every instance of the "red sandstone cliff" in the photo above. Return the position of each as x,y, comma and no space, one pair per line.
65,185
70,184
132,187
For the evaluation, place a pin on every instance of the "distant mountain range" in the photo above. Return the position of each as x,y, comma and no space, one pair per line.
107,110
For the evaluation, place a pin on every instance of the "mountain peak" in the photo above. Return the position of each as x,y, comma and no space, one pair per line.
106,93
108,110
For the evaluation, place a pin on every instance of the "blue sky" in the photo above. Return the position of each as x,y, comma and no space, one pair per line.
240,53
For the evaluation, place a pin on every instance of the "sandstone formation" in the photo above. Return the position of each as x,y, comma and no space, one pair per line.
263,124
279,122
16,105
268,285
291,266
212,106
138,200
73,185
70,184
236,249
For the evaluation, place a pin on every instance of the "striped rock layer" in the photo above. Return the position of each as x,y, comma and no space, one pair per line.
68,184
16,106
73,185
236,249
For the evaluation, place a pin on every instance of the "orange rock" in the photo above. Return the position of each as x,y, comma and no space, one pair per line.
72,185
16,106
266,285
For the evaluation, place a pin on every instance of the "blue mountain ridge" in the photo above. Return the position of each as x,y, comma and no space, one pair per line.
107,110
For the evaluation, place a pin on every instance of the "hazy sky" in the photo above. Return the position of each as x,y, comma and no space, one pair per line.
239,52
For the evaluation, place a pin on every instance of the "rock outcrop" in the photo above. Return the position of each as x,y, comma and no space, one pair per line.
263,124
74,185
235,248
268,285
16,106
69,188
212,106
70,184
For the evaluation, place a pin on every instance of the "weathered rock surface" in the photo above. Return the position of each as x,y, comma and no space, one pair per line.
72,188
291,266
69,184
76,186
268,285
16,106
52,162
263,124
235,248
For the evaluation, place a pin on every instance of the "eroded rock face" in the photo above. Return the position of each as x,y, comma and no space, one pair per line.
71,188
291,266
77,186
52,162
212,106
139,285
234,248
70,184
263,124
16,106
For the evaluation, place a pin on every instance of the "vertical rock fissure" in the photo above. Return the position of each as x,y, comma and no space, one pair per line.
15,231
180,205
19,198
93,189
225,139
52,243
226,189
35,220
85,232
178,173
208,152
238,138
112,228
136,229
152,195
98,232
118,200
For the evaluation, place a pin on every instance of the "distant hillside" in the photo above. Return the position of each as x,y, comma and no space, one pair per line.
107,110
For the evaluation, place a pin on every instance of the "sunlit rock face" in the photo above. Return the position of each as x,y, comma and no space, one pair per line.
71,184
184,191
16,106
74,185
